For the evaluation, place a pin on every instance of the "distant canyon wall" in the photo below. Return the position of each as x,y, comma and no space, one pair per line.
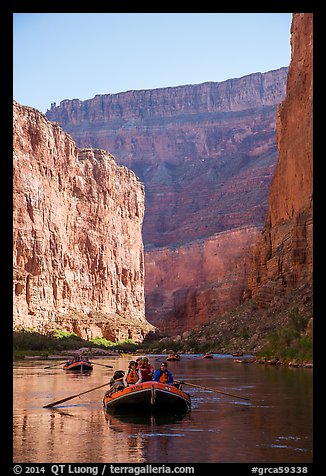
232,95
206,154
282,261
190,285
78,250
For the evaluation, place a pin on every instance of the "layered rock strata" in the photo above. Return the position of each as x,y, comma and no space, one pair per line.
78,251
206,154
193,284
282,261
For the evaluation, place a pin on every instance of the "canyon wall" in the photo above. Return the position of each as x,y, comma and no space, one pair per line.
206,154
282,261
78,251
192,284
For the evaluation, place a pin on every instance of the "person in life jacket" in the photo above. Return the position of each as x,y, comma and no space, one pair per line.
133,375
150,368
116,382
144,368
163,375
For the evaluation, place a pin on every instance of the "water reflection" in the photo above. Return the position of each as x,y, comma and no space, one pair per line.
275,425
146,434
145,419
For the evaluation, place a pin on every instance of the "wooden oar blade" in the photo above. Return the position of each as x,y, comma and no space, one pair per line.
55,365
53,404
103,365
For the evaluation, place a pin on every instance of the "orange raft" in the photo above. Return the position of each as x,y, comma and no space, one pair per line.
150,396
209,355
173,357
79,366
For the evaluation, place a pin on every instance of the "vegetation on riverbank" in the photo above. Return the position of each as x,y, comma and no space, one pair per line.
291,343
28,342
275,335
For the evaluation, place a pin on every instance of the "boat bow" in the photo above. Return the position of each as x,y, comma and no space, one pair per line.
148,396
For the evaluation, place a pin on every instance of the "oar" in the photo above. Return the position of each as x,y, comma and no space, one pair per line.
103,365
73,396
56,365
213,390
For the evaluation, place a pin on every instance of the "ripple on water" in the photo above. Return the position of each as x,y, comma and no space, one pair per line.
290,439
245,404
284,442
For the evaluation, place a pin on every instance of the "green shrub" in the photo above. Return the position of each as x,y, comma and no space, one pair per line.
126,345
102,342
246,333
28,339
290,343
298,321
58,334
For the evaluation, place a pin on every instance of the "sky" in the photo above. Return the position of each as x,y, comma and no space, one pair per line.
59,56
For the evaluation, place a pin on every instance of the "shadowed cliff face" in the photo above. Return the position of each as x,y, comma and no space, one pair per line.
78,252
206,154
186,286
282,260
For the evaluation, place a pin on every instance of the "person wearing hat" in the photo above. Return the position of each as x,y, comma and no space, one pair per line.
133,375
116,382
163,375
145,370
150,368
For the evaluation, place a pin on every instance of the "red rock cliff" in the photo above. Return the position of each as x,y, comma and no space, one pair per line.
254,90
282,260
206,153
78,251
196,283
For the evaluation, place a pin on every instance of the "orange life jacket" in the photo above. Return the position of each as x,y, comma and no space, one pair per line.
132,377
164,378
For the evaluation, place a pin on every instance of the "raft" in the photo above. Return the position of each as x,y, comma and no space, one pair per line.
79,366
243,361
148,396
173,357
208,356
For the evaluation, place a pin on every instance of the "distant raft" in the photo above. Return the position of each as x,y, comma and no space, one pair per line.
78,366
209,355
173,357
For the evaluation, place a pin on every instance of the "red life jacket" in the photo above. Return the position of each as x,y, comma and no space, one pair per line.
144,374
132,377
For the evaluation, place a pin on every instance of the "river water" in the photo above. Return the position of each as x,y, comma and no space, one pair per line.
274,426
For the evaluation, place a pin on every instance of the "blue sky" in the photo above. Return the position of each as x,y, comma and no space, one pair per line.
78,55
